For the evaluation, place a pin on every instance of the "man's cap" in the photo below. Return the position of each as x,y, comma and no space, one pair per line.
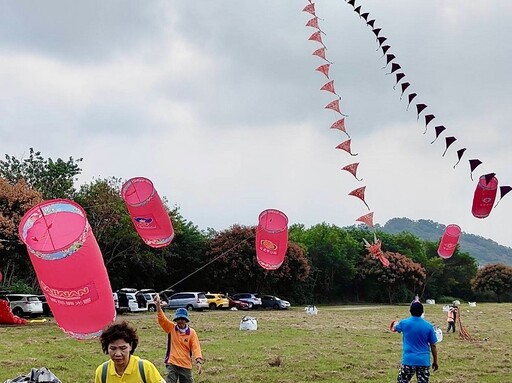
181,313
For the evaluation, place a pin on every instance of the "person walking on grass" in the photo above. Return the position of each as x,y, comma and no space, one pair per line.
119,341
418,341
452,317
182,346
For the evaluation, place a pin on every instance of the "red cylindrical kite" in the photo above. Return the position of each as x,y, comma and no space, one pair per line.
449,241
147,211
271,239
69,267
485,194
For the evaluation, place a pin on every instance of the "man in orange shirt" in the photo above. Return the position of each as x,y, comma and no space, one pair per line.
182,345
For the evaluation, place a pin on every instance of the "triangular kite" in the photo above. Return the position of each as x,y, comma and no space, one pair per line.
394,68
367,219
404,86
365,16
420,108
411,97
399,76
345,145
340,125
488,177
324,69
428,118
376,31
352,3
317,36
335,105
439,129
310,8
503,191
448,141
359,193
352,169
358,10
385,48
381,41
389,57
460,153
313,23
473,164
321,53
371,23
329,87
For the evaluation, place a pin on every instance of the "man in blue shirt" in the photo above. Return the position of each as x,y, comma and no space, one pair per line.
418,340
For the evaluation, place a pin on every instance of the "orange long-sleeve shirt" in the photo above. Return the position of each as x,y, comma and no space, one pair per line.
181,347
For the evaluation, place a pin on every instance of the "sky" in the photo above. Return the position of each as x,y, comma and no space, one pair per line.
218,103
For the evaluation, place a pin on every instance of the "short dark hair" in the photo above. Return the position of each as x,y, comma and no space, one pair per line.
118,331
416,309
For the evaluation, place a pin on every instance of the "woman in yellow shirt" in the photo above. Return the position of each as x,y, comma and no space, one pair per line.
119,341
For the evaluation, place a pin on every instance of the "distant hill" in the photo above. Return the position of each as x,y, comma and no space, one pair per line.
484,250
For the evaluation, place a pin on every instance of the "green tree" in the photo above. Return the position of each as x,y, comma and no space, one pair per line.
402,273
53,178
15,200
496,278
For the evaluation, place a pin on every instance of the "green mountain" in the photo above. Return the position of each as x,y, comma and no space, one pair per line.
484,250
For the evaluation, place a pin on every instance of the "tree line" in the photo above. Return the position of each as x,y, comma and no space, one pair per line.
324,263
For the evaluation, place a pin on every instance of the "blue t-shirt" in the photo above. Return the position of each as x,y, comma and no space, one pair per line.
418,335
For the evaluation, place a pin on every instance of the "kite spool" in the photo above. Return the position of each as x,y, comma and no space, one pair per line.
449,241
69,267
485,194
147,211
248,323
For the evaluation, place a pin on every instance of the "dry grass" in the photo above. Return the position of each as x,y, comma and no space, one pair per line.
340,344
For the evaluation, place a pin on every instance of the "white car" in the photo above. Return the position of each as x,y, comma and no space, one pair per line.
24,304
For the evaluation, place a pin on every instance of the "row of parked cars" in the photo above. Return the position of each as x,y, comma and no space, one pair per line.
133,300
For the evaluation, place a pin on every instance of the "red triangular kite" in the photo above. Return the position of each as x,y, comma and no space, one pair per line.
340,125
352,169
359,193
324,69
310,8
335,105
313,23
317,36
367,219
345,145
321,53
329,87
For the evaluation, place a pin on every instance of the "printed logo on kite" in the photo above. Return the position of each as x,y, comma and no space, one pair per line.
268,246
144,222
71,297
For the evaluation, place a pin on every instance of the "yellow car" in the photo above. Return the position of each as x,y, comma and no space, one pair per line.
217,301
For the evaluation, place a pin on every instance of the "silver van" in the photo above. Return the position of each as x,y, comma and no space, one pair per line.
24,304
189,300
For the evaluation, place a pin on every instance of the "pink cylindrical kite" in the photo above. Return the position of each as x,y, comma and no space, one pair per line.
148,213
271,239
69,267
449,241
485,194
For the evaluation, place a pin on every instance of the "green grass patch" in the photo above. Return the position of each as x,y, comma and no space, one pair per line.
340,344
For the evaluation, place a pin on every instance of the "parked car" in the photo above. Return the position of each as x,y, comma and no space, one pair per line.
24,304
128,300
165,295
217,301
251,299
238,304
189,300
46,308
274,302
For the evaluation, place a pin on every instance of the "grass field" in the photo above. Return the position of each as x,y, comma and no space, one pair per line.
340,344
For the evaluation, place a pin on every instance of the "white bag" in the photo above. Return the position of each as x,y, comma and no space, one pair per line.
439,334
446,308
248,323
311,310
431,301
472,304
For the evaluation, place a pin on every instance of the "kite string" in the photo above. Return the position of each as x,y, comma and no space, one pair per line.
217,257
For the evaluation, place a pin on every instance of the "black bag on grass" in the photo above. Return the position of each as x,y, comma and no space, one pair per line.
37,375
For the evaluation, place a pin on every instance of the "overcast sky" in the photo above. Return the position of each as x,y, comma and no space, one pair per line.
218,103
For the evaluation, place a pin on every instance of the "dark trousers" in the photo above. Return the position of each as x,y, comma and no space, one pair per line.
451,325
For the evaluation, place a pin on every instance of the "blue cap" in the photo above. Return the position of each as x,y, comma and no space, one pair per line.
181,313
